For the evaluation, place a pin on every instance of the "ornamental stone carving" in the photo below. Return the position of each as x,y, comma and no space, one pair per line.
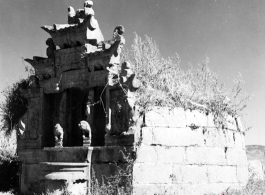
58,135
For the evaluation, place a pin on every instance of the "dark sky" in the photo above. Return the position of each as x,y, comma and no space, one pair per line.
230,32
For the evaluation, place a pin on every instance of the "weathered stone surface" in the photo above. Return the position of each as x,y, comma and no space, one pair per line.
181,189
196,118
223,174
80,78
144,173
213,137
236,156
242,174
29,176
228,138
210,188
119,140
172,136
231,123
205,155
194,174
152,189
108,154
177,174
165,117
240,126
239,140
210,120
160,154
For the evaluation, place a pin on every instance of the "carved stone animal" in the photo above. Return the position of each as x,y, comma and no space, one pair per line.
86,129
58,135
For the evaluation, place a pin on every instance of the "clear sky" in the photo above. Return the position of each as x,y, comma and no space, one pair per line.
230,32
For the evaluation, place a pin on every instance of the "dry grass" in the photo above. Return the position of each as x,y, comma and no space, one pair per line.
164,83
8,146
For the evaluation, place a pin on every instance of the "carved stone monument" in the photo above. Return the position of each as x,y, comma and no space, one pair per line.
79,93
82,124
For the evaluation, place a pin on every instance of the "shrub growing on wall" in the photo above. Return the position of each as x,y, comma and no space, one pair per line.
165,84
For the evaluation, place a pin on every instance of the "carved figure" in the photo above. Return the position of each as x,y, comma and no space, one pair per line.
88,8
129,79
86,130
80,14
117,36
58,135
51,48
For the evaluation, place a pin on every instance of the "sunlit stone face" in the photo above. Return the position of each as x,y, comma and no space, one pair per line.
88,8
88,4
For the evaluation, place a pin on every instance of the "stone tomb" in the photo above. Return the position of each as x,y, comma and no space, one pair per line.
81,124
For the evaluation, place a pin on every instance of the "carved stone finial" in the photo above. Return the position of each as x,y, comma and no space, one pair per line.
86,130
51,48
58,135
119,30
128,77
88,8
71,15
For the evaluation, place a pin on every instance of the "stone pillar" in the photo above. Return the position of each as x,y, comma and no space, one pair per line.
31,132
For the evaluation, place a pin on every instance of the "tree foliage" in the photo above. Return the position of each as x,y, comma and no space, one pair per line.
13,107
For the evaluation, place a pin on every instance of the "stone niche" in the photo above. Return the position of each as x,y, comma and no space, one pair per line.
81,125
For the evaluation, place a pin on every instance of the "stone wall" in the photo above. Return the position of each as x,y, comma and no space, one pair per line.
176,152
183,152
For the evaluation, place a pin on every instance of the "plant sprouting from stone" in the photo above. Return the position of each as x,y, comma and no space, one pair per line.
164,83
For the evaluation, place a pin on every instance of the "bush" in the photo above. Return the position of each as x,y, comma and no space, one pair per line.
9,163
165,84
14,106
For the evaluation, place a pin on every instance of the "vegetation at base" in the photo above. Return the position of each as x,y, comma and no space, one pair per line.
165,84
9,162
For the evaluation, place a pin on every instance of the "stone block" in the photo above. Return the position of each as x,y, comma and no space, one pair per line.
165,117
172,136
238,138
211,188
177,176
160,154
223,174
231,123
210,120
108,154
144,173
213,137
205,155
196,118
240,126
242,174
243,140
194,174
154,189
227,138
29,177
235,156
119,140
196,155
